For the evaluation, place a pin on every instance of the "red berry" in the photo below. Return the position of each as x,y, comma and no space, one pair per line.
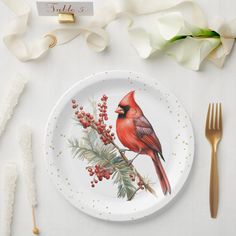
92,185
104,97
73,101
100,178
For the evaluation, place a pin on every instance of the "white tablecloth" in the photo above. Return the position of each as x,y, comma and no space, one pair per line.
55,73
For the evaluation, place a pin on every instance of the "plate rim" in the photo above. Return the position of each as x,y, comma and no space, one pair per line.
86,81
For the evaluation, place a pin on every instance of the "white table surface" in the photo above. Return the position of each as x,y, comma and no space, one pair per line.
60,69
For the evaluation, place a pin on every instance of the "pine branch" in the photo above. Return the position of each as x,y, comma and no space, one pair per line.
90,148
146,184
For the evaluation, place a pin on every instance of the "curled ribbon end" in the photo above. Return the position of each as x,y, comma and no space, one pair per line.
53,39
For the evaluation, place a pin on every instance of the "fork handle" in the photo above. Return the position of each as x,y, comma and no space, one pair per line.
214,184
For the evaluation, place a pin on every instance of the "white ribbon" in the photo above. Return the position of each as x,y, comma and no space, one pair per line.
147,37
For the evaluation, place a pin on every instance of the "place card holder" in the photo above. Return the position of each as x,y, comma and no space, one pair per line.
66,17
65,11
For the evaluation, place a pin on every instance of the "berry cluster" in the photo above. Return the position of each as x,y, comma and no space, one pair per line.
87,120
139,181
105,132
99,173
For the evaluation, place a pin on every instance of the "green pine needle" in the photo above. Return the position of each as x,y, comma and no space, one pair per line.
92,149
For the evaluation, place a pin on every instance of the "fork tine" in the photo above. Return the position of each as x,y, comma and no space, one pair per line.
217,117
220,118
208,117
212,117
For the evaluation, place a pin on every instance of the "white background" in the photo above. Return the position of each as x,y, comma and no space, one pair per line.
60,69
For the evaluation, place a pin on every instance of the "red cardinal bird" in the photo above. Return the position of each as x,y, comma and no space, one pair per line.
136,133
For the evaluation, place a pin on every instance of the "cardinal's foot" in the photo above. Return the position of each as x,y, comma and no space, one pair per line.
131,161
125,150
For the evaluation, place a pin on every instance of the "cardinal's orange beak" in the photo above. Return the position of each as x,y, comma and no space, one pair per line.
119,110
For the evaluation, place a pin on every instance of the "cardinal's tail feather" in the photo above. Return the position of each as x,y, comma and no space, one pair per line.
165,185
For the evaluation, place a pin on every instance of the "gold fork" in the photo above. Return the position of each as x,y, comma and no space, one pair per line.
213,133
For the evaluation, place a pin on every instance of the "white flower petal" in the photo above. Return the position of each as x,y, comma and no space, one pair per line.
227,33
141,41
219,55
172,24
190,52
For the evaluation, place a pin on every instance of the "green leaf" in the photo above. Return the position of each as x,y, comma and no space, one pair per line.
206,33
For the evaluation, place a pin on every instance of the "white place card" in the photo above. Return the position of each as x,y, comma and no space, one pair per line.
54,8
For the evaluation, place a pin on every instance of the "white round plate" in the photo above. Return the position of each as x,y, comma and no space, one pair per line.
70,174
